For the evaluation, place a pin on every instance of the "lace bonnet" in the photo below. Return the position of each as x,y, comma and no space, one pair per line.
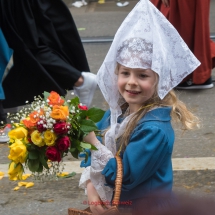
145,39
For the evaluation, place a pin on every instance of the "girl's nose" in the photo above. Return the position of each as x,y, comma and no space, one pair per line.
132,80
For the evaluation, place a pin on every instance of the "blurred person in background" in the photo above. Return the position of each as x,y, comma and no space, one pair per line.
48,52
191,19
5,55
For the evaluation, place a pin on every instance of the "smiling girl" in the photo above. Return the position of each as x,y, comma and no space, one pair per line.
146,60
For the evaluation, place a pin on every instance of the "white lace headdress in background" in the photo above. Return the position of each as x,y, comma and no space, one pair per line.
145,40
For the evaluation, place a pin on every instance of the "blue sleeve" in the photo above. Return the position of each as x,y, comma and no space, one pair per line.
142,158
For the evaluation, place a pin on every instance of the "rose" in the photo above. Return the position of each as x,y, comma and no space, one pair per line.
63,143
53,154
55,99
18,152
15,171
18,133
40,127
28,123
60,112
37,139
82,107
49,138
61,127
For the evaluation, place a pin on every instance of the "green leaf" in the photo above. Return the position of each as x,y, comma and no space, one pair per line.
88,146
75,153
95,114
40,169
87,126
43,161
33,165
75,101
46,95
32,155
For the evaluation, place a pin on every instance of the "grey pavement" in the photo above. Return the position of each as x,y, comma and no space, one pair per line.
55,197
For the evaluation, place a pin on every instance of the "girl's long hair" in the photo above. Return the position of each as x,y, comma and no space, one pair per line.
180,113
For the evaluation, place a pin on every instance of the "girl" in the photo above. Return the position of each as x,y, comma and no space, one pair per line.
147,59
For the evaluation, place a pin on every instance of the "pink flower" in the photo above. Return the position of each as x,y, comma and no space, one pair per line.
82,107
63,143
61,127
53,154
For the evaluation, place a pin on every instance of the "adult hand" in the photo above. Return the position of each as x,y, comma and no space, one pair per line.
94,200
166,2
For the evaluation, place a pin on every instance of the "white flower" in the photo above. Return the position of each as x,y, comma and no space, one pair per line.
47,100
72,93
68,100
26,102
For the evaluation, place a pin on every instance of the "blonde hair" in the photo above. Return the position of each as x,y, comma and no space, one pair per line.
179,113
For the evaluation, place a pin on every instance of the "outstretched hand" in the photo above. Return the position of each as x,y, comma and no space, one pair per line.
166,2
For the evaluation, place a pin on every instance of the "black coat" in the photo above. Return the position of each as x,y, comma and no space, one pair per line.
48,53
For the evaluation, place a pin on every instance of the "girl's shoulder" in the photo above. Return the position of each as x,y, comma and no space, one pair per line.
161,114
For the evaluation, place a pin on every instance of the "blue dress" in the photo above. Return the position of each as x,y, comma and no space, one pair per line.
147,165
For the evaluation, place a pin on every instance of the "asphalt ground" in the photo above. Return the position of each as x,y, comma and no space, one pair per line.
194,152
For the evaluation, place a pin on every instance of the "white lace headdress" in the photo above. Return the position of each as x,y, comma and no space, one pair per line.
145,39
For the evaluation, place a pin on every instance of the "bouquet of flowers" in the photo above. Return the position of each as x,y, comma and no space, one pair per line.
46,131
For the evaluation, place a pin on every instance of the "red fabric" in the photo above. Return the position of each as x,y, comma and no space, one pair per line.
191,19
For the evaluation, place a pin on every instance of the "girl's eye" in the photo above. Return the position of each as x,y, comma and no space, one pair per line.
143,75
124,73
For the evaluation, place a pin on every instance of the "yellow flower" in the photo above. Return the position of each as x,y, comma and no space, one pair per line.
18,152
15,171
18,133
49,138
37,139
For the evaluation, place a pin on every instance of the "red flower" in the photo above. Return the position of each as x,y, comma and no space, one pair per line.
40,128
53,154
82,107
61,127
63,143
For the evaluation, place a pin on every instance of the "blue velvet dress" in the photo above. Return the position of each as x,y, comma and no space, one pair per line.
147,166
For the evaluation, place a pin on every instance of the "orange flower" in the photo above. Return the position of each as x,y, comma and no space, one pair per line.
28,123
59,112
55,99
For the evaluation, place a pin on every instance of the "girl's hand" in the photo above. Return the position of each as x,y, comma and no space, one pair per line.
94,200
166,2
91,138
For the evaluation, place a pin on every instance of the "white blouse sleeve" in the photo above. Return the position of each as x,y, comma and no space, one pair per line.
99,159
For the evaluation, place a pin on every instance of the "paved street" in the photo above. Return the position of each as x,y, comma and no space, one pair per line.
194,152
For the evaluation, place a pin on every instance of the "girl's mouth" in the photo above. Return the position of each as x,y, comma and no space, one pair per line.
132,92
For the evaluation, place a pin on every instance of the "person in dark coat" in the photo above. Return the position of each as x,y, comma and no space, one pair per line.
48,53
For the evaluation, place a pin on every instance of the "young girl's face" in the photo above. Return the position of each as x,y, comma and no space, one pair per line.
136,86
